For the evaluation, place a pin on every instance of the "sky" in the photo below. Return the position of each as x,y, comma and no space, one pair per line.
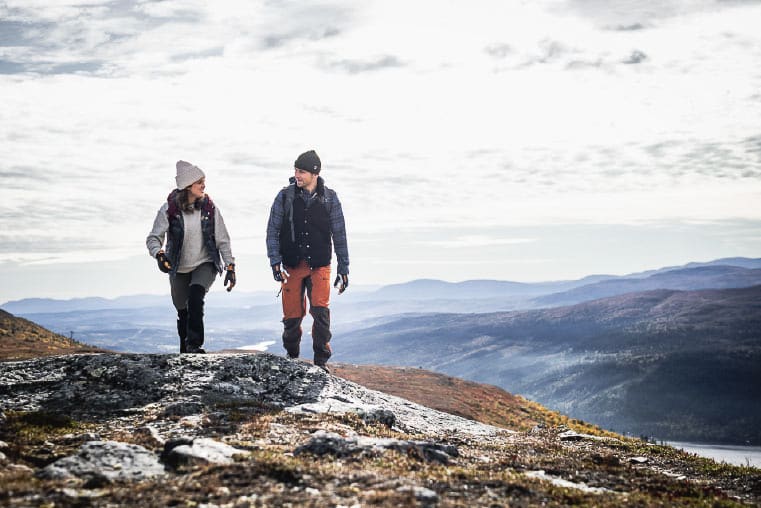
509,140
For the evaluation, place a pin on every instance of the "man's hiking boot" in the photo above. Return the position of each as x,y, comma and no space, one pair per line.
323,367
196,350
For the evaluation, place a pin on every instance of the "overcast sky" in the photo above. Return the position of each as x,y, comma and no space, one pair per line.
513,140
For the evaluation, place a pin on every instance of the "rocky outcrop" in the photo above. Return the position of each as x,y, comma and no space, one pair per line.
176,391
260,430
94,387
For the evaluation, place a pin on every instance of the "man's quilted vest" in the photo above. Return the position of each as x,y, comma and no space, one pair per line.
305,233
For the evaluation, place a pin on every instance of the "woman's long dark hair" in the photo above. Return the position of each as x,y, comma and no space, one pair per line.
182,200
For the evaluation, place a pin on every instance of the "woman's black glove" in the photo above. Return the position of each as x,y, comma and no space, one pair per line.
164,264
230,276
342,282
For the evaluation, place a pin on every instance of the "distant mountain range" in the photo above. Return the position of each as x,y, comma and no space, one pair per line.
428,295
671,353
672,364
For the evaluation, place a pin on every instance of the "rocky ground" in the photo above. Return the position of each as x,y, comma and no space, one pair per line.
260,430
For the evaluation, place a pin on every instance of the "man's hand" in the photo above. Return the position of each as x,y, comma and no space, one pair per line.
164,264
280,274
230,276
342,282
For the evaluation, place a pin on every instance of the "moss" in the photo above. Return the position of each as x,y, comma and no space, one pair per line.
36,426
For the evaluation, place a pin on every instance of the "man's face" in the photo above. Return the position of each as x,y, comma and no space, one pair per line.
304,179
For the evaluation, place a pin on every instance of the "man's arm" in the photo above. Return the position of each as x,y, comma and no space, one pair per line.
274,224
338,229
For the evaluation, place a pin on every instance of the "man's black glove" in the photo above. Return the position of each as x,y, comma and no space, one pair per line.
280,274
164,264
342,282
230,276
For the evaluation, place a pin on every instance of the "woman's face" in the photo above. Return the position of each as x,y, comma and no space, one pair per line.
197,188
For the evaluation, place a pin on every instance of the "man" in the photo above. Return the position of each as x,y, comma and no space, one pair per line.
305,222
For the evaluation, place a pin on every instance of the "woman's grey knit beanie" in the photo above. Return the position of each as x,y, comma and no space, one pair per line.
187,174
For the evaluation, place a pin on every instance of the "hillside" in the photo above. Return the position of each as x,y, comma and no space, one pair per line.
671,364
471,400
260,430
23,339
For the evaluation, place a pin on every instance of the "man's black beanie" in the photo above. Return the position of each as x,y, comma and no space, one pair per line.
308,161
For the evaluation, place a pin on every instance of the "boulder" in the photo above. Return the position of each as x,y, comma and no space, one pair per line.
186,451
106,461
329,443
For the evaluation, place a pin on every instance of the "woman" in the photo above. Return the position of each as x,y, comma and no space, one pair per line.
196,244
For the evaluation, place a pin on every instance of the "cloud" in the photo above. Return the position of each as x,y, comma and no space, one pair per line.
190,11
278,40
43,245
11,67
198,55
636,13
628,28
499,50
752,146
636,57
466,241
80,38
19,178
368,65
19,33
52,68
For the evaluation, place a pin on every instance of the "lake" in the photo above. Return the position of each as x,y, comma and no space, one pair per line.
737,455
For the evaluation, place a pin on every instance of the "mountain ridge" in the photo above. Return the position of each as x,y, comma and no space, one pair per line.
624,363
697,277
410,290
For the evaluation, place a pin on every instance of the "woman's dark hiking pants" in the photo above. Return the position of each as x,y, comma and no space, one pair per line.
195,317
188,293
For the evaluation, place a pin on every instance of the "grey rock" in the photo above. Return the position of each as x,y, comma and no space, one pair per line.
185,451
184,408
19,469
106,461
570,435
150,435
382,416
80,438
328,443
174,443
421,493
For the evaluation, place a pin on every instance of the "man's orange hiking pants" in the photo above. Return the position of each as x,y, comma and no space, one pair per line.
312,284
